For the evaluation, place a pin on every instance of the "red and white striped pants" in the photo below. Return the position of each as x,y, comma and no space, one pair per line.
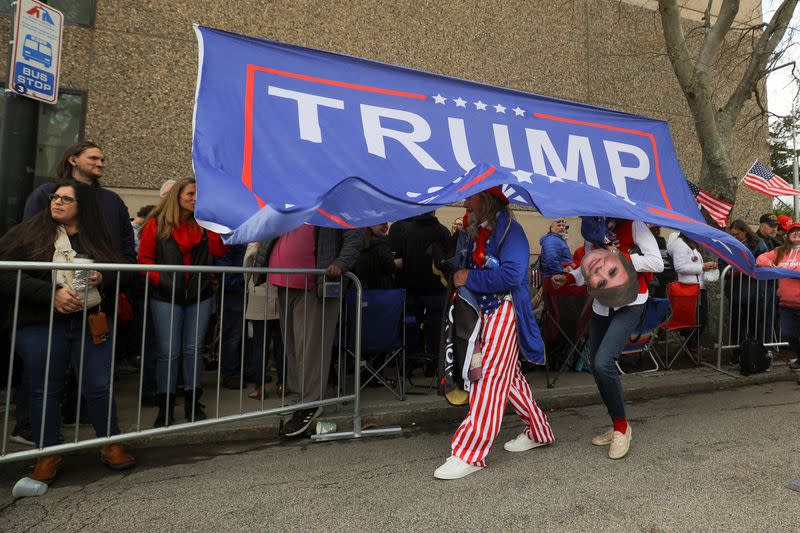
502,381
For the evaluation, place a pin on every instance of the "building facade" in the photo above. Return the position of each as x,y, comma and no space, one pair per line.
130,66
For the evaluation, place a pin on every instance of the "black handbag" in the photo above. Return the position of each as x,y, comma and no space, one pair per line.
754,357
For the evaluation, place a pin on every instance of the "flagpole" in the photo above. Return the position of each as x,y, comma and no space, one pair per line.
748,170
795,182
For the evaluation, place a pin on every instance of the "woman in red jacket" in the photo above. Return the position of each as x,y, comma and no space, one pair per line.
172,236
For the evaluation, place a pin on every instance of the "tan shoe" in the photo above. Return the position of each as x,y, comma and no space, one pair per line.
46,468
605,439
621,444
115,457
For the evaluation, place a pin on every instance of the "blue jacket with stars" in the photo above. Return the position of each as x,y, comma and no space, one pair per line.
509,245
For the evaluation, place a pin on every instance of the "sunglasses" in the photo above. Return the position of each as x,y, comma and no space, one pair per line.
66,200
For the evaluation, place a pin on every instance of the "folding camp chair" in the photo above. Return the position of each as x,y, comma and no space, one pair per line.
642,341
382,333
684,304
564,322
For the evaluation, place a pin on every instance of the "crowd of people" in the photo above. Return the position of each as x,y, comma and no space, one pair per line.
290,320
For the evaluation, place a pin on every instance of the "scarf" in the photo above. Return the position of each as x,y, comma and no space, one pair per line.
64,253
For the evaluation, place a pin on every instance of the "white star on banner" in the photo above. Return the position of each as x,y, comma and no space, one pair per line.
519,112
480,106
500,109
439,99
460,103
523,176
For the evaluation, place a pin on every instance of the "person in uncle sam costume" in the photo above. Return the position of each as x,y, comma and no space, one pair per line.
616,274
496,255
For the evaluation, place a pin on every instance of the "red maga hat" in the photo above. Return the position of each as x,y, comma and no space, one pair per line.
784,222
793,226
497,192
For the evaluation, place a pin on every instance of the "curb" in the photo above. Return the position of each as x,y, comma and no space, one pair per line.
437,409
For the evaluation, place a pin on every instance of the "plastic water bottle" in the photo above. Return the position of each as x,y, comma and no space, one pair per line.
28,487
490,262
81,279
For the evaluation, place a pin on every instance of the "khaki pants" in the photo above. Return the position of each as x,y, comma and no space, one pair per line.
308,330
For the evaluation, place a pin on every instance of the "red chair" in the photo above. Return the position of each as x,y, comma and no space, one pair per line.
684,304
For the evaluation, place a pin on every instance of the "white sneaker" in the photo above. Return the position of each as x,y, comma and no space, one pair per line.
605,439
521,443
621,444
455,468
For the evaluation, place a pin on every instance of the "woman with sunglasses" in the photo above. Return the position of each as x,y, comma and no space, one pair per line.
71,225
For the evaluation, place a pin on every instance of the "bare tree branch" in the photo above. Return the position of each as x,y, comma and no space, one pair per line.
677,51
762,51
716,37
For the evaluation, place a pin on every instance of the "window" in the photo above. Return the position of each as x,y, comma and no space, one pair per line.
59,126
79,12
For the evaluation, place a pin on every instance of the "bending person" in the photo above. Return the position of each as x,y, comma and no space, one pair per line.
617,279
497,259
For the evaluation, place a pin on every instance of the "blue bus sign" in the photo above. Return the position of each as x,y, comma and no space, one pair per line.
36,59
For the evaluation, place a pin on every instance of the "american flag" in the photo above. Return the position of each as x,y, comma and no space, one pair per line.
718,209
761,179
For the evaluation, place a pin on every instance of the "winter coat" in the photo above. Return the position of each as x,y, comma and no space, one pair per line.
333,247
115,215
509,245
739,288
36,288
189,244
688,263
555,254
788,288
375,264
414,242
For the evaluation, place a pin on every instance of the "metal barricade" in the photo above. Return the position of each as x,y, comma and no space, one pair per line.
747,307
330,290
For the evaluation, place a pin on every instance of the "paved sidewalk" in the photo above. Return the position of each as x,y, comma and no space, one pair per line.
380,408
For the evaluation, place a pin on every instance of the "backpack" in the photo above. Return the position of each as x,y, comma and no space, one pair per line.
754,357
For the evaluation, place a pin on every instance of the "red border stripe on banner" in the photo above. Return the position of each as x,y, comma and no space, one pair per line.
247,164
622,130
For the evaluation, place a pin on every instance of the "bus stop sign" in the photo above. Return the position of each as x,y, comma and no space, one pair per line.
36,57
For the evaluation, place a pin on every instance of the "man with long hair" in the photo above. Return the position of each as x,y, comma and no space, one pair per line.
85,162
496,258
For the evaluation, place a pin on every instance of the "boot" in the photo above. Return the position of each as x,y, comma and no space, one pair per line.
164,414
115,457
199,414
46,468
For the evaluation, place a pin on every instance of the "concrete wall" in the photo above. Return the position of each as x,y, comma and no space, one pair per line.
138,64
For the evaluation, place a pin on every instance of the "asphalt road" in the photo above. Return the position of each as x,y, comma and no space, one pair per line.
708,462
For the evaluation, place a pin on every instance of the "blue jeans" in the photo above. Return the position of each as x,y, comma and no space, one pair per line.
230,357
608,335
790,328
187,333
254,368
66,349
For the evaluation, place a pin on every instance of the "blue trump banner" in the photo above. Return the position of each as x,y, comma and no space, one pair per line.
285,135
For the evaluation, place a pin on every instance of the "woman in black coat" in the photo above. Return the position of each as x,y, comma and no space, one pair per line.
375,265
